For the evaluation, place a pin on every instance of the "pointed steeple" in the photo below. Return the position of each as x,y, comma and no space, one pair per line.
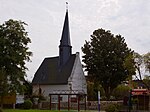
65,48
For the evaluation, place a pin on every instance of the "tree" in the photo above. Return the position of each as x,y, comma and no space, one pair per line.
140,62
121,91
3,86
28,88
104,58
147,61
92,91
130,65
14,52
146,80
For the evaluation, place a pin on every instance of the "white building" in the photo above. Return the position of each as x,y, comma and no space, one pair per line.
61,73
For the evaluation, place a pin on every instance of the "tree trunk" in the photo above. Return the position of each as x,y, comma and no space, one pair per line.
139,71
107,92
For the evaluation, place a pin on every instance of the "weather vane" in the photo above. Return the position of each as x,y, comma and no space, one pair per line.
67,6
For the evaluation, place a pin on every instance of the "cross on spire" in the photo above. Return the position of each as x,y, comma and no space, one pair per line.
67,6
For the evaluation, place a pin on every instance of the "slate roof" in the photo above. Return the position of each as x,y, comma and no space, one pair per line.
65,38
49,71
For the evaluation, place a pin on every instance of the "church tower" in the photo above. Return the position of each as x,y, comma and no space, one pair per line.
65,48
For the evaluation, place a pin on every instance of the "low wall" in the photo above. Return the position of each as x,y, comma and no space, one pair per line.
90,105
93,105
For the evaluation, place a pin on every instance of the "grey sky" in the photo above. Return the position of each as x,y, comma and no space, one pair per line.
130,18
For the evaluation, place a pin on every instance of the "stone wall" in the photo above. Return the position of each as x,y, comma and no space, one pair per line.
93,105
90,105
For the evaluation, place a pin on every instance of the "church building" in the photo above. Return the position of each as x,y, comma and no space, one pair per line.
61,73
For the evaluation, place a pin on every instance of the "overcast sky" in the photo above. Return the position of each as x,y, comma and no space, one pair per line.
45,18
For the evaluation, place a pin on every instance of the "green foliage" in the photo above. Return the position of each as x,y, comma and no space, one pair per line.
134,100
104,58
3,83
121,91
141,60
39,97
129,64
146,81
147,61
138,64
27,104
28,88
13,55
92,91
112,108
1,110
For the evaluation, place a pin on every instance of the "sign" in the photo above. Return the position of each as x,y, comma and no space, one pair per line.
9,99
98,101
19,99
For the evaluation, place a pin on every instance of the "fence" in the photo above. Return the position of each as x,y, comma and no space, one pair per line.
93,105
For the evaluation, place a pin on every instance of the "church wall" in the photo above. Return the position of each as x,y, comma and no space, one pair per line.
46,89
77,76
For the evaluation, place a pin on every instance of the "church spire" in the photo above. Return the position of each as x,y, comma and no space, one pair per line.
66,6
65,48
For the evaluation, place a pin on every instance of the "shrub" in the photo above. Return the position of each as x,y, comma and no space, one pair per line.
1,110
134,100
103,98
27,104
112,108
39,97
120,92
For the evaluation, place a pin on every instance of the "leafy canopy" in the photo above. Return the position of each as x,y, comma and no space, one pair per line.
147,61
14,52
142,61
105,57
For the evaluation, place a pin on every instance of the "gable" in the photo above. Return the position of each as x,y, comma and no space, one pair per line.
49,71
77,77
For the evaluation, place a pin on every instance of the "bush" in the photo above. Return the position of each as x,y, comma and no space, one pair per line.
120,92
134,100
27,104
112,108
1,110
